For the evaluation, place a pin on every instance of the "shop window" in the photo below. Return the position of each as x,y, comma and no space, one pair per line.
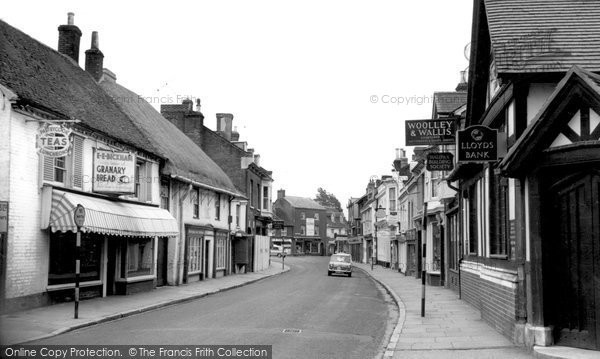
473,220
218,207
62,258
221,243
195,253
498,224
140,257
436,250
511,226
453,235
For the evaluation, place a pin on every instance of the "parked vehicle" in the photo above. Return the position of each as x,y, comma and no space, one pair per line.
278,251
340,263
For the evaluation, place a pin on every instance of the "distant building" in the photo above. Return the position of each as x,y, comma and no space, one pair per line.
337,235
308,223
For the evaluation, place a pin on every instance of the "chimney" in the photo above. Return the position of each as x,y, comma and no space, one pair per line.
68,38
257,160
188,104
280,193
235,135
198,105
462,85
94,58
224,121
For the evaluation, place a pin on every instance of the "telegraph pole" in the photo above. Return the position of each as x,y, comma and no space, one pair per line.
79,218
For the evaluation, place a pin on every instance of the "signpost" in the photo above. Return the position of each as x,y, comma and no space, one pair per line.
430,132
79,218
477,144
440,161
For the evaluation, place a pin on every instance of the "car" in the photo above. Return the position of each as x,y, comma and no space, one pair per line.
340,263
278,250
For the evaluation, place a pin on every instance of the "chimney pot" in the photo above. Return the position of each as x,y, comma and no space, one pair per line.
70,18
224,122
95,40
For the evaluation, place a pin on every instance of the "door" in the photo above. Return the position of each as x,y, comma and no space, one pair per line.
161,262
111,266
573,301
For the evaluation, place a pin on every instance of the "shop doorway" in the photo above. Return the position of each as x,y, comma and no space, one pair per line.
111,266
161,261
572,260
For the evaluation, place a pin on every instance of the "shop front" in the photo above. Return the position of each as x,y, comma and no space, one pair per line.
119,244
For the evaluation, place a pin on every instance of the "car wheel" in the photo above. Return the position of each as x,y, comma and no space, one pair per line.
350,274
329,273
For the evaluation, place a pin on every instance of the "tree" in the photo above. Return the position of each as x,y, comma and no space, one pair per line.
327,199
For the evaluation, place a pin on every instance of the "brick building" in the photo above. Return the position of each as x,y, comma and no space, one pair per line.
240,163
529,221
308,223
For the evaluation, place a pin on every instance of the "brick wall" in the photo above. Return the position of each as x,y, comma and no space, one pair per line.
226,155
496,298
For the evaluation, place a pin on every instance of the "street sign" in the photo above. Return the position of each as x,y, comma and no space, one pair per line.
430,132
477,144
440,161
79,215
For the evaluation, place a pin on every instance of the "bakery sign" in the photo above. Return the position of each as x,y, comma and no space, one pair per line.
477,144
54,140
114,172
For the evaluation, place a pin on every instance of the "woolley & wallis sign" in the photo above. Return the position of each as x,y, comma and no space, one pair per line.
430,132
477,144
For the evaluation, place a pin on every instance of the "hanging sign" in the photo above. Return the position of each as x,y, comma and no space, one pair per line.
54,140
477,144
429,132
440,161
79,215
114,172
277,224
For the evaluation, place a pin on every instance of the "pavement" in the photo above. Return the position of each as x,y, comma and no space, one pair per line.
39,323
451,328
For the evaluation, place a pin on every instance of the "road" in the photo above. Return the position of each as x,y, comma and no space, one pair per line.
338,317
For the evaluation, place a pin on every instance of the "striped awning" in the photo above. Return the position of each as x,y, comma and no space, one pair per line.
110,217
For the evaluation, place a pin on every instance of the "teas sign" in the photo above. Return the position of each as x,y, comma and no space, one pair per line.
440,161
429,132
114,172
477,144
54,140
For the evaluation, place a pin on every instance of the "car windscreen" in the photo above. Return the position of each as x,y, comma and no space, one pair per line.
335,258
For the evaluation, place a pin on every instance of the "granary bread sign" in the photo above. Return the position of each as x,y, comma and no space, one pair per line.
114,172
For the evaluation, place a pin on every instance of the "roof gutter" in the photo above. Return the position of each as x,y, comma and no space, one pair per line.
205,186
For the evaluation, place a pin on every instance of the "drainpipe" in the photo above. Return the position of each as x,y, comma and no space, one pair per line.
228,252
182,241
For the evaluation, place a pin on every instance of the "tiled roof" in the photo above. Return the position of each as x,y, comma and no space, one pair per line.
44,78
184,157
302,202
544,35
446,102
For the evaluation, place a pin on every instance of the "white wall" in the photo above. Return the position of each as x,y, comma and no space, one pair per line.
28,246
537,96
261,252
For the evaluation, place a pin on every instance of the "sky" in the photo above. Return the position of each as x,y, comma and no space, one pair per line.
320,89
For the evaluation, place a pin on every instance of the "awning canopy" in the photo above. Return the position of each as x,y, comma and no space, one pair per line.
110,217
